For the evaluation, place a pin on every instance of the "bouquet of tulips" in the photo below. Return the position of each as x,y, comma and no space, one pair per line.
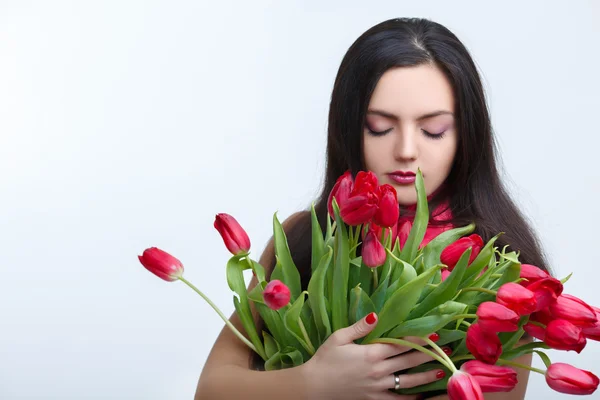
479,299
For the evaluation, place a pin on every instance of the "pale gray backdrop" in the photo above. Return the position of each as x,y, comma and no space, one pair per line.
130,124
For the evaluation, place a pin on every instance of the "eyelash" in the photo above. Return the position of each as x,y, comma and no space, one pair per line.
434,136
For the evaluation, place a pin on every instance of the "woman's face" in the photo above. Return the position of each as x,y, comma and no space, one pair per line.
412,108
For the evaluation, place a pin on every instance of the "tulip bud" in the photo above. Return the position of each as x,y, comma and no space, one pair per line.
445,274
532,274
161,264
373,253
387,209
594,331
484,345
463,386
381,233
491,378
404,227
341,191
563,335
276,295
546,292
451,254
234,236
574,310
494,317
565,378
517,298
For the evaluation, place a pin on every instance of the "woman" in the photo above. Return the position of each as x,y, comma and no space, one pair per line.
407,95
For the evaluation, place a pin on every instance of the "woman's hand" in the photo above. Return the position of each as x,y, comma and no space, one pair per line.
341,369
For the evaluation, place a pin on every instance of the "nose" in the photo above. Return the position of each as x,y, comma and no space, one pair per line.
406,147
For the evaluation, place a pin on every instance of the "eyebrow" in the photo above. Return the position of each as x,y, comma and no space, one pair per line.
422,117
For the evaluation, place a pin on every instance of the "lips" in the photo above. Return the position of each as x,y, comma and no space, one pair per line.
403,177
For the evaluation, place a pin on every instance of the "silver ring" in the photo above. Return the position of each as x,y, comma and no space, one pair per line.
396,382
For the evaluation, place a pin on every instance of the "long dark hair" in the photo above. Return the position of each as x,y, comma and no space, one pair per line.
474,188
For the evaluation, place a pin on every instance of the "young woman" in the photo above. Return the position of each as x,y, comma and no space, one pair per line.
407,95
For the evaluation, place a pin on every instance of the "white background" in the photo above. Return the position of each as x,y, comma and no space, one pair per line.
130,124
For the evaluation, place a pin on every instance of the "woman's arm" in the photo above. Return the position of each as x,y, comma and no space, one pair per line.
518,393
227,374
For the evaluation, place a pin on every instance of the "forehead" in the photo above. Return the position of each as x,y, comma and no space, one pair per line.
413,91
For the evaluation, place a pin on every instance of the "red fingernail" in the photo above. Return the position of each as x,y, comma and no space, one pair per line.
371,318
434,337
440,374
447,350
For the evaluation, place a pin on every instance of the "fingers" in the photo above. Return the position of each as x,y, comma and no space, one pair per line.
386,350
412,380
404,361
356,331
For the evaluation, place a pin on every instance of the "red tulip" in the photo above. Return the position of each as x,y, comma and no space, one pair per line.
565,378
517,298
387,209
359,209
563,335
366,181
451,254
382,233
484,345
594,331
491,378
536,331
574,310
276,295
373,253
494,317
341,191
463,386
542,316
546,292
235,237
532,274
161,264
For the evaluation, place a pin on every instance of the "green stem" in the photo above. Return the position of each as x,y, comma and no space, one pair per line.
375,279
223,317
517,365
441,353
465,323
537,324
416,347
467,357
478,289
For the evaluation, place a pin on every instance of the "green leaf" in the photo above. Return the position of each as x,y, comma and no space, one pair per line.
258,269
445,289
544,357
378,296
274,322
341,272
271,345
291,275
417,232
433,249
448,307
316,296
524,349
437,385
235,279
482,260
287,358
318,242
450,336
509,339
397,308
511,274
291,321
256,294
420,326
360,305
